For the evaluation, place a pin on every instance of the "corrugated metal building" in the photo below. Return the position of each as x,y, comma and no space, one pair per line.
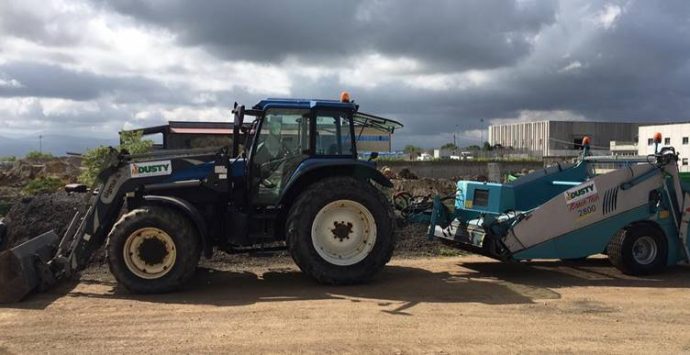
560,138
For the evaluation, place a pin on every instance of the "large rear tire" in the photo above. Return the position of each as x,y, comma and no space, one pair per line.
638,249
153,250
340,231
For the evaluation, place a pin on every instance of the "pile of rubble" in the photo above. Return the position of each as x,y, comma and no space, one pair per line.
15,175
24,170
32,216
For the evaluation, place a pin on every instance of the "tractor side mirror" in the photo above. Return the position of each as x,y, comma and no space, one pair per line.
373,156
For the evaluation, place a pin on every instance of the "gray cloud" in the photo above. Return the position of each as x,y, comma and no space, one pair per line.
53,81
603,60
442,34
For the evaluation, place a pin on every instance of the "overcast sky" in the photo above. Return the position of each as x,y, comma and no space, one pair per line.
91,68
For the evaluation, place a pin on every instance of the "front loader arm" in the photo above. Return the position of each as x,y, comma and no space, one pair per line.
47,259
87,233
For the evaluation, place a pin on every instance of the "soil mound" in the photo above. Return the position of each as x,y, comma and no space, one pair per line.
32,216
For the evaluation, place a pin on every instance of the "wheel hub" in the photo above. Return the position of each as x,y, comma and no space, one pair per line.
149,253
152,251
342,230
644,250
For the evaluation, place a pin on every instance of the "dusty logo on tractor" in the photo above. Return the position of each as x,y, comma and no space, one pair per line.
152,168
580,192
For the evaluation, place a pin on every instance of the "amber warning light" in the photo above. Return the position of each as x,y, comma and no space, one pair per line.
657,137
344,96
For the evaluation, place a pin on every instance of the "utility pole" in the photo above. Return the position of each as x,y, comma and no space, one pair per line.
481,124
40,143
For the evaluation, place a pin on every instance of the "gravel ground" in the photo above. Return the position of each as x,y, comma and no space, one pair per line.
465,304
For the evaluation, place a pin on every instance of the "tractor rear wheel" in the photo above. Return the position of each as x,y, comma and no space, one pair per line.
638,249
340,231
153,250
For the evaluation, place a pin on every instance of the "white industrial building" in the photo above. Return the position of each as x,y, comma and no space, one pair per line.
561,138
676,135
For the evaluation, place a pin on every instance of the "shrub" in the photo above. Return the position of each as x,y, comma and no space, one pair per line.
38,155
93,160
43,185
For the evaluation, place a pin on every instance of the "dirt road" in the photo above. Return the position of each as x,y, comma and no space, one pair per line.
443,305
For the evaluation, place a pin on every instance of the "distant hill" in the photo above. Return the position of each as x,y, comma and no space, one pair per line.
55,144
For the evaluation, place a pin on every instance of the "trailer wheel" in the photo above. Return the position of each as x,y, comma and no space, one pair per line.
638,249
340,231
153,250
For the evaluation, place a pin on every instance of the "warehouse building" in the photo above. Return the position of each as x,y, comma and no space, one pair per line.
561,138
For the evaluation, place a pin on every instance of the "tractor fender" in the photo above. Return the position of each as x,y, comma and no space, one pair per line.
311,170
190,211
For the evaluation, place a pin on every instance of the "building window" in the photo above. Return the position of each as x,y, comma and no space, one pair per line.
650,141
685,161
685,140
667,141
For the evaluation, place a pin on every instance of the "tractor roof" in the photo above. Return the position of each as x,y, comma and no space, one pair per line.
304,103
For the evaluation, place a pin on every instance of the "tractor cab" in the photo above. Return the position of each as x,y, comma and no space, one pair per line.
290,136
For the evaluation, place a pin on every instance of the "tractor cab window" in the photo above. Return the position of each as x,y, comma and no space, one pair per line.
333,134
282,143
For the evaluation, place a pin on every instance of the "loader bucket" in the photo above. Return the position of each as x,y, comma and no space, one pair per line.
23,268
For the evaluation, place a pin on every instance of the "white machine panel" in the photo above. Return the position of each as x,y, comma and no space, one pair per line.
584,204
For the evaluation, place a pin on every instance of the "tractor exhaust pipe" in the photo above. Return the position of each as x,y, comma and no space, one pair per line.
24,268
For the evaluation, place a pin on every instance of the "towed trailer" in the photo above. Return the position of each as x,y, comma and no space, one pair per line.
637,214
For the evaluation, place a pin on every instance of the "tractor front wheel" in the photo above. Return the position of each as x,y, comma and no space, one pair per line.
638,249
153,250
340,231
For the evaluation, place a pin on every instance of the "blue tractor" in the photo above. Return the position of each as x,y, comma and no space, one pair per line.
291,177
